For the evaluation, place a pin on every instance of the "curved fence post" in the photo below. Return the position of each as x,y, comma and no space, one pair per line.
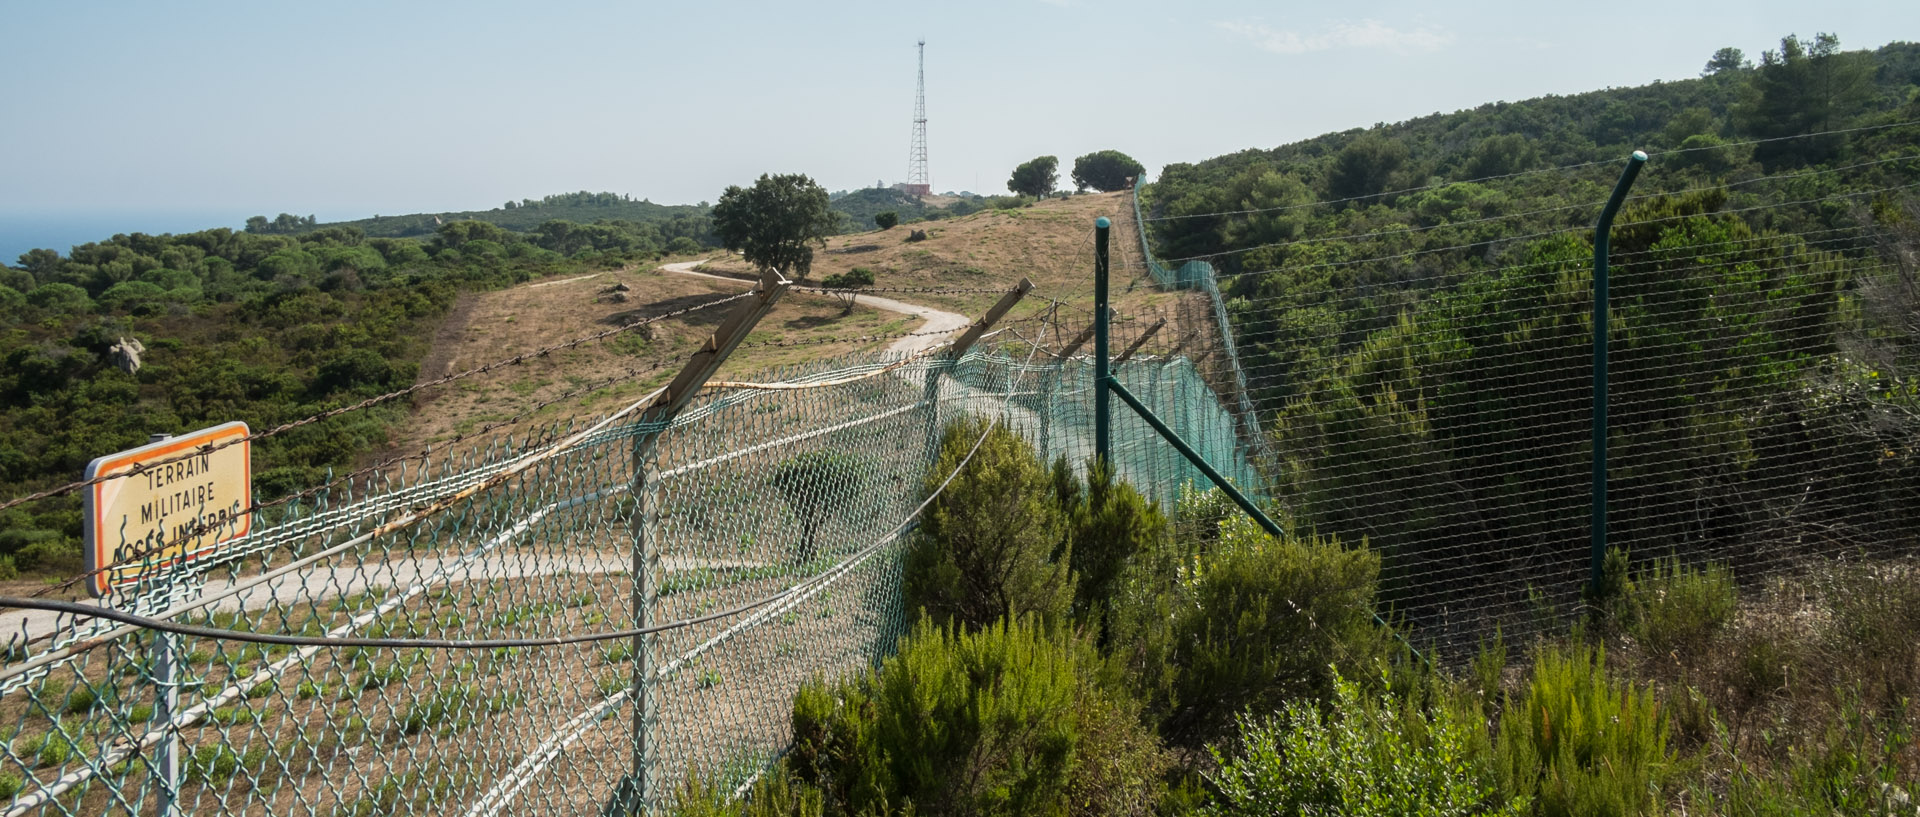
1601,230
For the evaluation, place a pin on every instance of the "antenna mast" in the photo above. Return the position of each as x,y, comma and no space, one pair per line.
918,183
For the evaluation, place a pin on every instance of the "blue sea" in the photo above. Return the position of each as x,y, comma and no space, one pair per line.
22,231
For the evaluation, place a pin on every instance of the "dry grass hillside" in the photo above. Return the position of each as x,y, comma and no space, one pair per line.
594,377
1050,242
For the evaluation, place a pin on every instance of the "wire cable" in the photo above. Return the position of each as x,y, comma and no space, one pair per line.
367,403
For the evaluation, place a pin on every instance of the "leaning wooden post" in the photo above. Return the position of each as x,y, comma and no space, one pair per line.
960,346
639,790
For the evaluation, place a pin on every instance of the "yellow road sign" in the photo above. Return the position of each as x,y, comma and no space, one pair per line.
170,502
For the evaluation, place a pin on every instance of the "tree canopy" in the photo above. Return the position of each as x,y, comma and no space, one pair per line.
774,222
1036,177
1105,171
1726,59
1800,90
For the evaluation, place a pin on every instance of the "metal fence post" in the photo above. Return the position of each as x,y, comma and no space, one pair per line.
637,792
1601,230
645,714
1102,423
166,681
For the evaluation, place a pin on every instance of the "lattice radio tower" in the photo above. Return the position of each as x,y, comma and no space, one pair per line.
917,182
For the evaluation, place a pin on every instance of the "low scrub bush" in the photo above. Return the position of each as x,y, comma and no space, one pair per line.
1253,623
1580,743
775,794
1108,524
1368,757
1008,719
987,545
1673,607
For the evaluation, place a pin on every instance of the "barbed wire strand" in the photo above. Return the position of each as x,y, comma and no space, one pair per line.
367,403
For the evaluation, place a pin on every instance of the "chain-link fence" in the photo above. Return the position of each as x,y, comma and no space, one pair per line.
771,513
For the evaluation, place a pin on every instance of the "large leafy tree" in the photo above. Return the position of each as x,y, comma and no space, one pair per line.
1105,171
1037,177
775,222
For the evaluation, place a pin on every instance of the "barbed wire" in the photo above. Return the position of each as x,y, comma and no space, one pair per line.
193,531
150,623
370,402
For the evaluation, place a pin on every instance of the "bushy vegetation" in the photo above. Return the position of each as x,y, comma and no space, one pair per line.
1414,317
661,224
989,544
1006,720
263,328
1249,624
1233,673
1582,743
1368,756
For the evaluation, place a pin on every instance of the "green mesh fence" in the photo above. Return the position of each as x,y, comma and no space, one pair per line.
1426,387
1201,276
750,493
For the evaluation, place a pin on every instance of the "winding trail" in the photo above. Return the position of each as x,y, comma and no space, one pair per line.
936,320
327,582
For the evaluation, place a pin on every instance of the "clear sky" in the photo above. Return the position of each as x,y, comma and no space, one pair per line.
347,110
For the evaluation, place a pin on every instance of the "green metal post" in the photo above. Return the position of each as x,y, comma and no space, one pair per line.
1192,456
1601,230
1102,422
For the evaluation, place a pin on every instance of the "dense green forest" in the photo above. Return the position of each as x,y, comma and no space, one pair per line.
1412,309
237,326
660,224
666,221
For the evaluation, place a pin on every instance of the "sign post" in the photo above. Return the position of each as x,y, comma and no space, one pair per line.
167,503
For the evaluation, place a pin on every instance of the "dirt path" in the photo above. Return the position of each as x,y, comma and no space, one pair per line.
935,320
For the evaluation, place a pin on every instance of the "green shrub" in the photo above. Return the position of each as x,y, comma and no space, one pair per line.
410,793
1381,757
986,545
1004,720
1105,530
8,570
775,794
82,699
1253,624
53,748
380,675
49,555
1673,607
1580,743
886,220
